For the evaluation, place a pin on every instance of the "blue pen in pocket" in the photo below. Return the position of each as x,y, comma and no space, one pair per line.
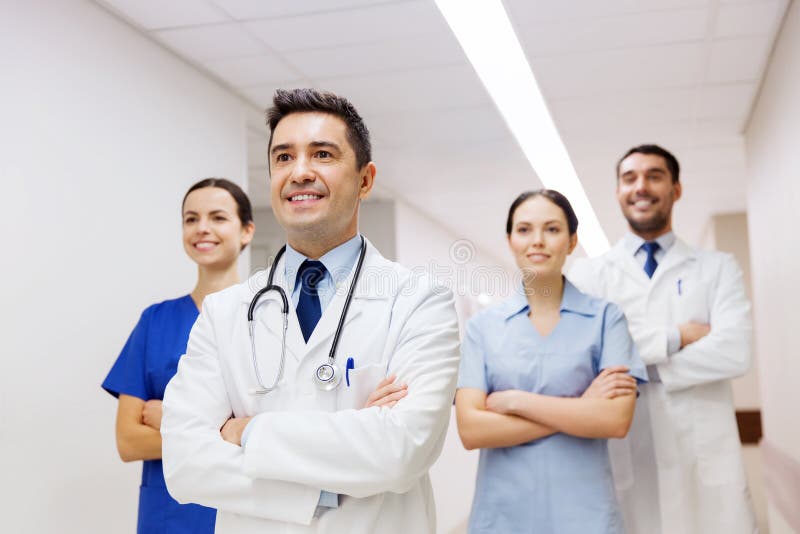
351,364
679,287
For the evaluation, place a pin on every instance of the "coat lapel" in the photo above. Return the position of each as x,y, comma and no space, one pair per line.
678,254
620,257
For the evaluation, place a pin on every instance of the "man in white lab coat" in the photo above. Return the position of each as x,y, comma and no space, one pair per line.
300,458
680,469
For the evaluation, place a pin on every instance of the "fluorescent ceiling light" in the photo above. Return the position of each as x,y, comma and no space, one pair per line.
485,33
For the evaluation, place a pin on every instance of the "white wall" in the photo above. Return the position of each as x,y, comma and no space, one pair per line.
102,132
773,199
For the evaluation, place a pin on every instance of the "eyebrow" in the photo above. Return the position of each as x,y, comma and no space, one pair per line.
551,221
325,144
649,169
191,212
278,148
315,144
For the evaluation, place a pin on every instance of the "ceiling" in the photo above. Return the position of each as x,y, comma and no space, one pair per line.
682,73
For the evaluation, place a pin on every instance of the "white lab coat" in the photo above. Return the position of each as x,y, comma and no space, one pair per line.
679,471
308,440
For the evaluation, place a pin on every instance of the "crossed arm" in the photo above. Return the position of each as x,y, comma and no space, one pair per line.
387,393
513,417
138,427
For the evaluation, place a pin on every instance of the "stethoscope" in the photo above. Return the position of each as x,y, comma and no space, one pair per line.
328,375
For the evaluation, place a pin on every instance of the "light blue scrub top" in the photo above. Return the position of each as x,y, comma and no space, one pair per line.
559,484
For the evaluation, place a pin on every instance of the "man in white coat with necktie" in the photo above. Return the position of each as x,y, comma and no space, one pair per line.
268,439
679,470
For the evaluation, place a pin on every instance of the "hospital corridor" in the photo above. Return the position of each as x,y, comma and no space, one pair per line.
400,266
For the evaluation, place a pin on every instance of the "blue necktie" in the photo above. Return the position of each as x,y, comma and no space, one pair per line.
309,311
650,263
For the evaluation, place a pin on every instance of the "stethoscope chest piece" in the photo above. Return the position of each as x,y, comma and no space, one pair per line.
327,376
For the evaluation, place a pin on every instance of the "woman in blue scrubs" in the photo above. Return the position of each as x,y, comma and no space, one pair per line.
217,226
546,377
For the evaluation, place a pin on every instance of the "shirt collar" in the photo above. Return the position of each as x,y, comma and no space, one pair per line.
338,261
633,242
572,301
575,301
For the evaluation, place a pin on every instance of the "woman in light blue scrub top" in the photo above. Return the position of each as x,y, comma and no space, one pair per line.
546,377
217,225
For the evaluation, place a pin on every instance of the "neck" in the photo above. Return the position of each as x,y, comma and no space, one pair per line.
544,292
652,235
210,280
317,246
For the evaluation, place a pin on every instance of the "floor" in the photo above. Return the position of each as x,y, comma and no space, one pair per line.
752,466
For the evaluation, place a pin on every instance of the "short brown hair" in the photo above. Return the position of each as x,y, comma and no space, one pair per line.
654,150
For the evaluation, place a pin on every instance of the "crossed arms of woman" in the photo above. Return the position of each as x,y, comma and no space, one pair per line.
513,417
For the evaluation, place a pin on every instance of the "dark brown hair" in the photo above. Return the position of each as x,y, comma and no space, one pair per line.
243,208
553,196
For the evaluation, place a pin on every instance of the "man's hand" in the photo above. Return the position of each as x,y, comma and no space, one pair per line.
151,414
502,402
691,332
232,430
612,382
387,393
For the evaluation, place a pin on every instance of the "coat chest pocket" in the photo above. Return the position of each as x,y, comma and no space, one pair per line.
690,301
363,381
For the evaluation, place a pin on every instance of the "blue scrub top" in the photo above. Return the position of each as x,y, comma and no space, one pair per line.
144,367
559,484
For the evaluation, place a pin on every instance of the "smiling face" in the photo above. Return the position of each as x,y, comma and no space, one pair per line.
213,235
540,238
316,186
646,193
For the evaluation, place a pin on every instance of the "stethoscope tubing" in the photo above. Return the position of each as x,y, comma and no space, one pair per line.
285,311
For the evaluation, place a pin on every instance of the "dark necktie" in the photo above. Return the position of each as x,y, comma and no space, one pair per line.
650,263
309,310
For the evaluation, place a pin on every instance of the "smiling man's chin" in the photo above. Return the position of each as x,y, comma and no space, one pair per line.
653,223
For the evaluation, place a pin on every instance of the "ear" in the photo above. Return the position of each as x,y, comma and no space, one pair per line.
677,191
573,242
367,178
248,231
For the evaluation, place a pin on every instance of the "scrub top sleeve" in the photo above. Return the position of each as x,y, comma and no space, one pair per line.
618,347
472,369
128,374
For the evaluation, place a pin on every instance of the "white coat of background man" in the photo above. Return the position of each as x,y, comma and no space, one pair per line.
314,460
679,471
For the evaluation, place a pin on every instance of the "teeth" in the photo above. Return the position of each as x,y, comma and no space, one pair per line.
304,197
205,246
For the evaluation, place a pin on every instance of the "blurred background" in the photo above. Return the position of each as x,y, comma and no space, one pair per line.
111,109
